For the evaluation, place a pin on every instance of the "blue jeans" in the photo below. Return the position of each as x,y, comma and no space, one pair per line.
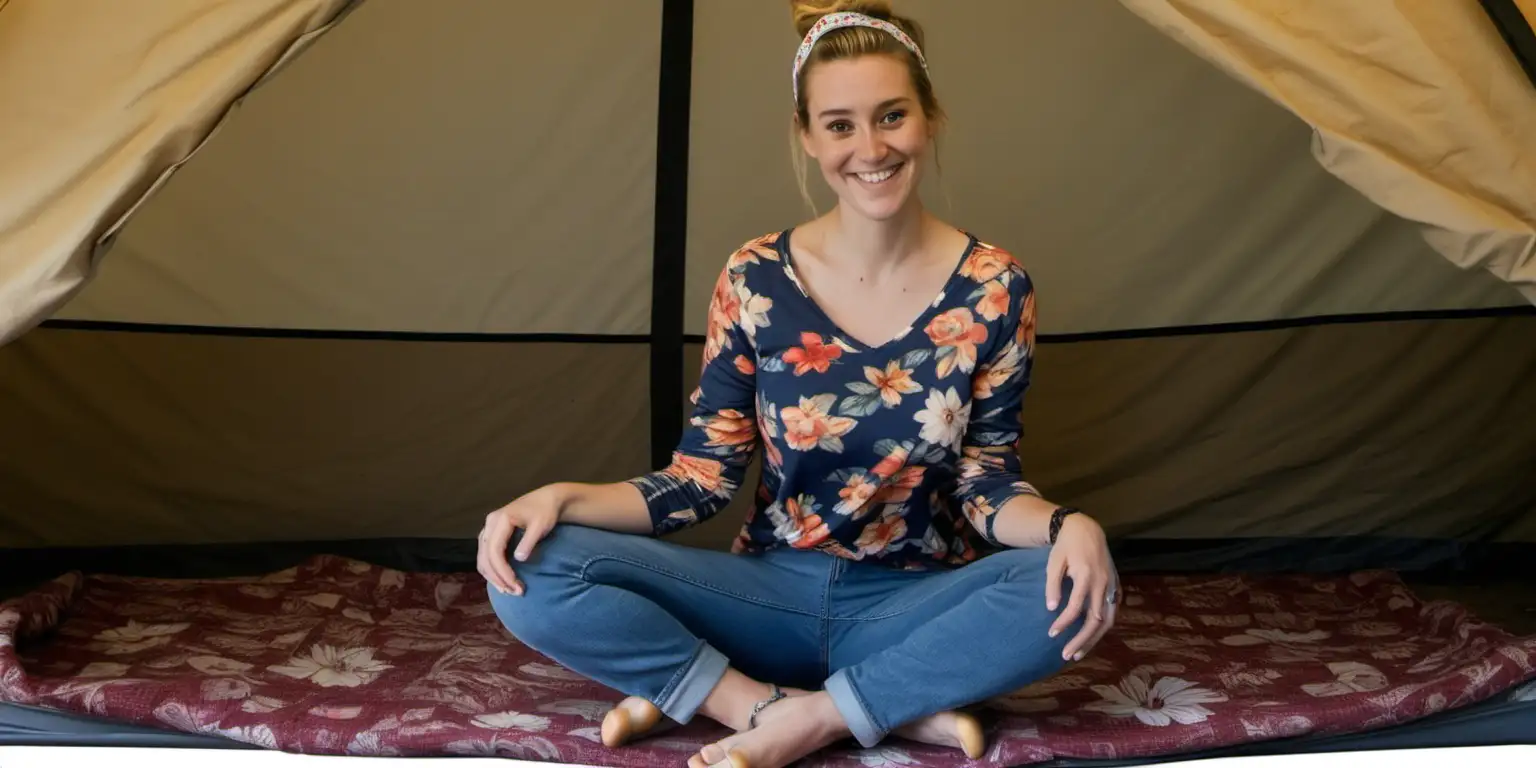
654,619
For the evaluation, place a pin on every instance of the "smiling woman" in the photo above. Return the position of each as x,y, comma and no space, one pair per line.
878,356
892,52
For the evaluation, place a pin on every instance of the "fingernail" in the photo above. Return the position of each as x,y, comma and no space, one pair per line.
1054,633
1050,606
521,556
1077,656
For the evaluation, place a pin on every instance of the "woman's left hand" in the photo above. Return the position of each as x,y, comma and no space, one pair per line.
1081,553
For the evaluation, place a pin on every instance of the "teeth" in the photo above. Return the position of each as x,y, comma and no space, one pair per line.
876,178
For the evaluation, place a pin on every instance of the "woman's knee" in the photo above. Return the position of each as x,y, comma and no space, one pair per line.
550,576
1025,573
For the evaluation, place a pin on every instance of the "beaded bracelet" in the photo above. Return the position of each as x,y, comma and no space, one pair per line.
1057,517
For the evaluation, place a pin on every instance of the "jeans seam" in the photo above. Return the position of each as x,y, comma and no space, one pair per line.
677,677
826,618
893,615
695,582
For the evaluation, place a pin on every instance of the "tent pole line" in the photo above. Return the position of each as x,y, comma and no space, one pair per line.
669,258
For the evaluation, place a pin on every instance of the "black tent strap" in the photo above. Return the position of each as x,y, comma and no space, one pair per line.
1517,31
676,339
669,270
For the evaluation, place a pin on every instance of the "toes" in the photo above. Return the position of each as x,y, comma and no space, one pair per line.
632,717
973,741
716,757
617,728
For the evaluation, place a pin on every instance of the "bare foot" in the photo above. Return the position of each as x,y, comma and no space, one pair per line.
631,718
948,729
786,731
636,717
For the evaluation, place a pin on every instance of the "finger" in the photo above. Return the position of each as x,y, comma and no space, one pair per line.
1093,625
1054,566
533,533
1080,642
483,565
1098,598
1092,642
1074,606
1085,590
1109,610
1098,636
496,541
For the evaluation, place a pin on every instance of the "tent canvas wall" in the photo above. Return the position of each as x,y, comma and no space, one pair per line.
450,253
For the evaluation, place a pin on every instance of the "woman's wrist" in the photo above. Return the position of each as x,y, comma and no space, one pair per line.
1024,523
562,497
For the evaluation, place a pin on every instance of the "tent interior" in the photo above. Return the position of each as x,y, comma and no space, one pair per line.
278,277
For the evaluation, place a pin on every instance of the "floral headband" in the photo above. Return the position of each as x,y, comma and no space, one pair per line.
843,19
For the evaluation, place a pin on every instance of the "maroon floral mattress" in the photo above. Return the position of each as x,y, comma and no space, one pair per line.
341,657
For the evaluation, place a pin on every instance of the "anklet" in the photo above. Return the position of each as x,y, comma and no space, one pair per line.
757,709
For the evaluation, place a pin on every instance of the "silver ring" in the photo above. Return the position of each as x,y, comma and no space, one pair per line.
1109,597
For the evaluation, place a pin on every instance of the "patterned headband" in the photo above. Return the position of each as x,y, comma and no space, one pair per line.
843,19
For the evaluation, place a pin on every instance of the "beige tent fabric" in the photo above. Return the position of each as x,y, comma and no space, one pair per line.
432,167
1140,185
103,99
1419,105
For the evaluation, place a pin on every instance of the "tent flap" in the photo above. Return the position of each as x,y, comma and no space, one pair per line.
97,126
1419,106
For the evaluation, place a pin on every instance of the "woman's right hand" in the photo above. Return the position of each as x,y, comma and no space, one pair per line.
536,513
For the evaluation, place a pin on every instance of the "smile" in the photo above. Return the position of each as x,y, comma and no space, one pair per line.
877,177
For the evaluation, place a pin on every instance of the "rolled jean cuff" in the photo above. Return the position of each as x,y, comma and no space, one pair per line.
851,706
693,684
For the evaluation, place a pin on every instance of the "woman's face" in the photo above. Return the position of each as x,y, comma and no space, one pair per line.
867,132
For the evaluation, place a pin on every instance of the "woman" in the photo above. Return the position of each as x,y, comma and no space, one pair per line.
895,566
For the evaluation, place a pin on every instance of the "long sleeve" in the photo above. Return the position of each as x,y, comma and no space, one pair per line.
717,445
990,474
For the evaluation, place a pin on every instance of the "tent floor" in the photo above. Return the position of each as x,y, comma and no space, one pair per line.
1499,721
1499,599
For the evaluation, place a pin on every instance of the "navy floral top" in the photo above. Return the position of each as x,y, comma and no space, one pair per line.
900,454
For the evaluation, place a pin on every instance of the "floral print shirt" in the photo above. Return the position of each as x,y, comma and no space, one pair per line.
899,454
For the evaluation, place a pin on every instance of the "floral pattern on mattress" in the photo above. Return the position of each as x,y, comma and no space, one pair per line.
342,657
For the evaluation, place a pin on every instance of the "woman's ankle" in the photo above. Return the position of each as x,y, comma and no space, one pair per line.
733,698
835,726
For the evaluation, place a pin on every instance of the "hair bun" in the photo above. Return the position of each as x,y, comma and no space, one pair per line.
807,12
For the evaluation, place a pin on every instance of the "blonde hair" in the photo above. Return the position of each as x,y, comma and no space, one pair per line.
848,43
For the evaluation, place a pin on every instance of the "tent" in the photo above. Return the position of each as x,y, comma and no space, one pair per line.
293,292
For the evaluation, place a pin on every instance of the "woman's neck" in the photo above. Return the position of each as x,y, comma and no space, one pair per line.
876,246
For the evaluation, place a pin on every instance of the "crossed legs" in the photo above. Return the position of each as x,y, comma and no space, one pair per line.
904,647
687,632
